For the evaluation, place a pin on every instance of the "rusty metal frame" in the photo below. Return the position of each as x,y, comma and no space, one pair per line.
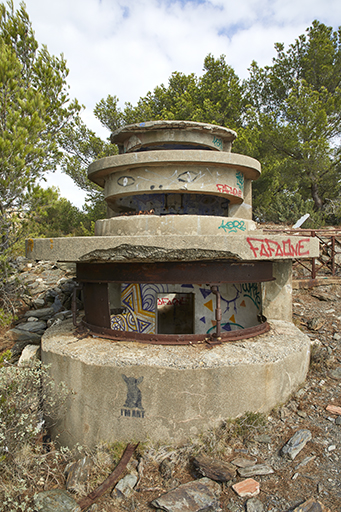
77,287
170,272
177,339
96,276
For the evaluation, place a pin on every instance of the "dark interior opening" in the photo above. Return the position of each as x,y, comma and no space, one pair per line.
175,313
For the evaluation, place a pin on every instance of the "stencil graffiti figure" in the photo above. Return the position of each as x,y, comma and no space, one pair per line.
134,395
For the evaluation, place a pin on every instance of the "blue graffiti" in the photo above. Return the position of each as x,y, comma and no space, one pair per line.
232,226
240,180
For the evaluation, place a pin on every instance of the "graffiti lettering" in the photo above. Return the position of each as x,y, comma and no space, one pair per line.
271,248
133,413
166,301
240,180
232,226
218,143
226,189
251,290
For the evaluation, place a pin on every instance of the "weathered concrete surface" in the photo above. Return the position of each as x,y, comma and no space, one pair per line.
277,294
127,390
153,134
99,170
183,225
172,247
176,178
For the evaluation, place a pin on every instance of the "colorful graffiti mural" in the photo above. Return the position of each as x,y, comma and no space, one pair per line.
240,304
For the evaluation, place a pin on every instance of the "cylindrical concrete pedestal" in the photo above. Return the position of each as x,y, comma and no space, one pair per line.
126,390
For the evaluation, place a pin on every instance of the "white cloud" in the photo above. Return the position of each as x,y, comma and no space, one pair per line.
128,47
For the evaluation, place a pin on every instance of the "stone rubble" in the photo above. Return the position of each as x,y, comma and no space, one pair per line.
297,442
196,496
246,488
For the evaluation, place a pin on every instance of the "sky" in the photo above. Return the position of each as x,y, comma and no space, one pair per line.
126,48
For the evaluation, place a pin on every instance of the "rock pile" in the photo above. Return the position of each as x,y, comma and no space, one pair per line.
44,299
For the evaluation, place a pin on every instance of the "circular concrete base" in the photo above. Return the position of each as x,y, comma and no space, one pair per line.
184,225
126,390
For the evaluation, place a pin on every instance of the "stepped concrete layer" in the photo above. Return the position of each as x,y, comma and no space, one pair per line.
100,169
185,225
126,390
155,134
252,246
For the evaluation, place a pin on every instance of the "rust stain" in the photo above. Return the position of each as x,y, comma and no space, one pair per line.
51,243
30,245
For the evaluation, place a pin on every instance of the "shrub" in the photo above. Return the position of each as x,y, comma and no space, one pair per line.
29,400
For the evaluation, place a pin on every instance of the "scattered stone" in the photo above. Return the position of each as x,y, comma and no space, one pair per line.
257,469
331,448
55,500
254,505
20,335
319,487
214,469
315,323
337,336
333,409
32,319
233,507
305,461
284,413
32,326
244,462
336,373
311,505
263,438
77,474
321,295
30,354
338,420
125,487
247,488
195,496
296,444
38,302
40,313
302,414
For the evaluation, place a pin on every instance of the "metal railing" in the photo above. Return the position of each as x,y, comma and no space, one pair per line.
329,260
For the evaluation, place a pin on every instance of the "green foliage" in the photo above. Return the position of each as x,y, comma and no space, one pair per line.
286,208
216,98
5,357
27,395
249,423
287,115
6,318
295,106
35,111
82,147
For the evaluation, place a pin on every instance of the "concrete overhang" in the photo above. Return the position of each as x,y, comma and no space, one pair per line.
101,169
172,248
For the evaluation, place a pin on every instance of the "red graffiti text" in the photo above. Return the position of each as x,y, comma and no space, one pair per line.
270,248
226,189
166,301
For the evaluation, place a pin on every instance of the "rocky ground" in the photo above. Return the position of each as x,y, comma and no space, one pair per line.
280,481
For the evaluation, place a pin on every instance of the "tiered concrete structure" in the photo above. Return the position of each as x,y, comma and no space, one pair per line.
178,261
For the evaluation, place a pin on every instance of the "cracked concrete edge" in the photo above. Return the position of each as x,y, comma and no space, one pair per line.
171,248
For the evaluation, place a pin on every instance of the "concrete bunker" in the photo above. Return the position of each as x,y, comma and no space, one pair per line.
179,261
